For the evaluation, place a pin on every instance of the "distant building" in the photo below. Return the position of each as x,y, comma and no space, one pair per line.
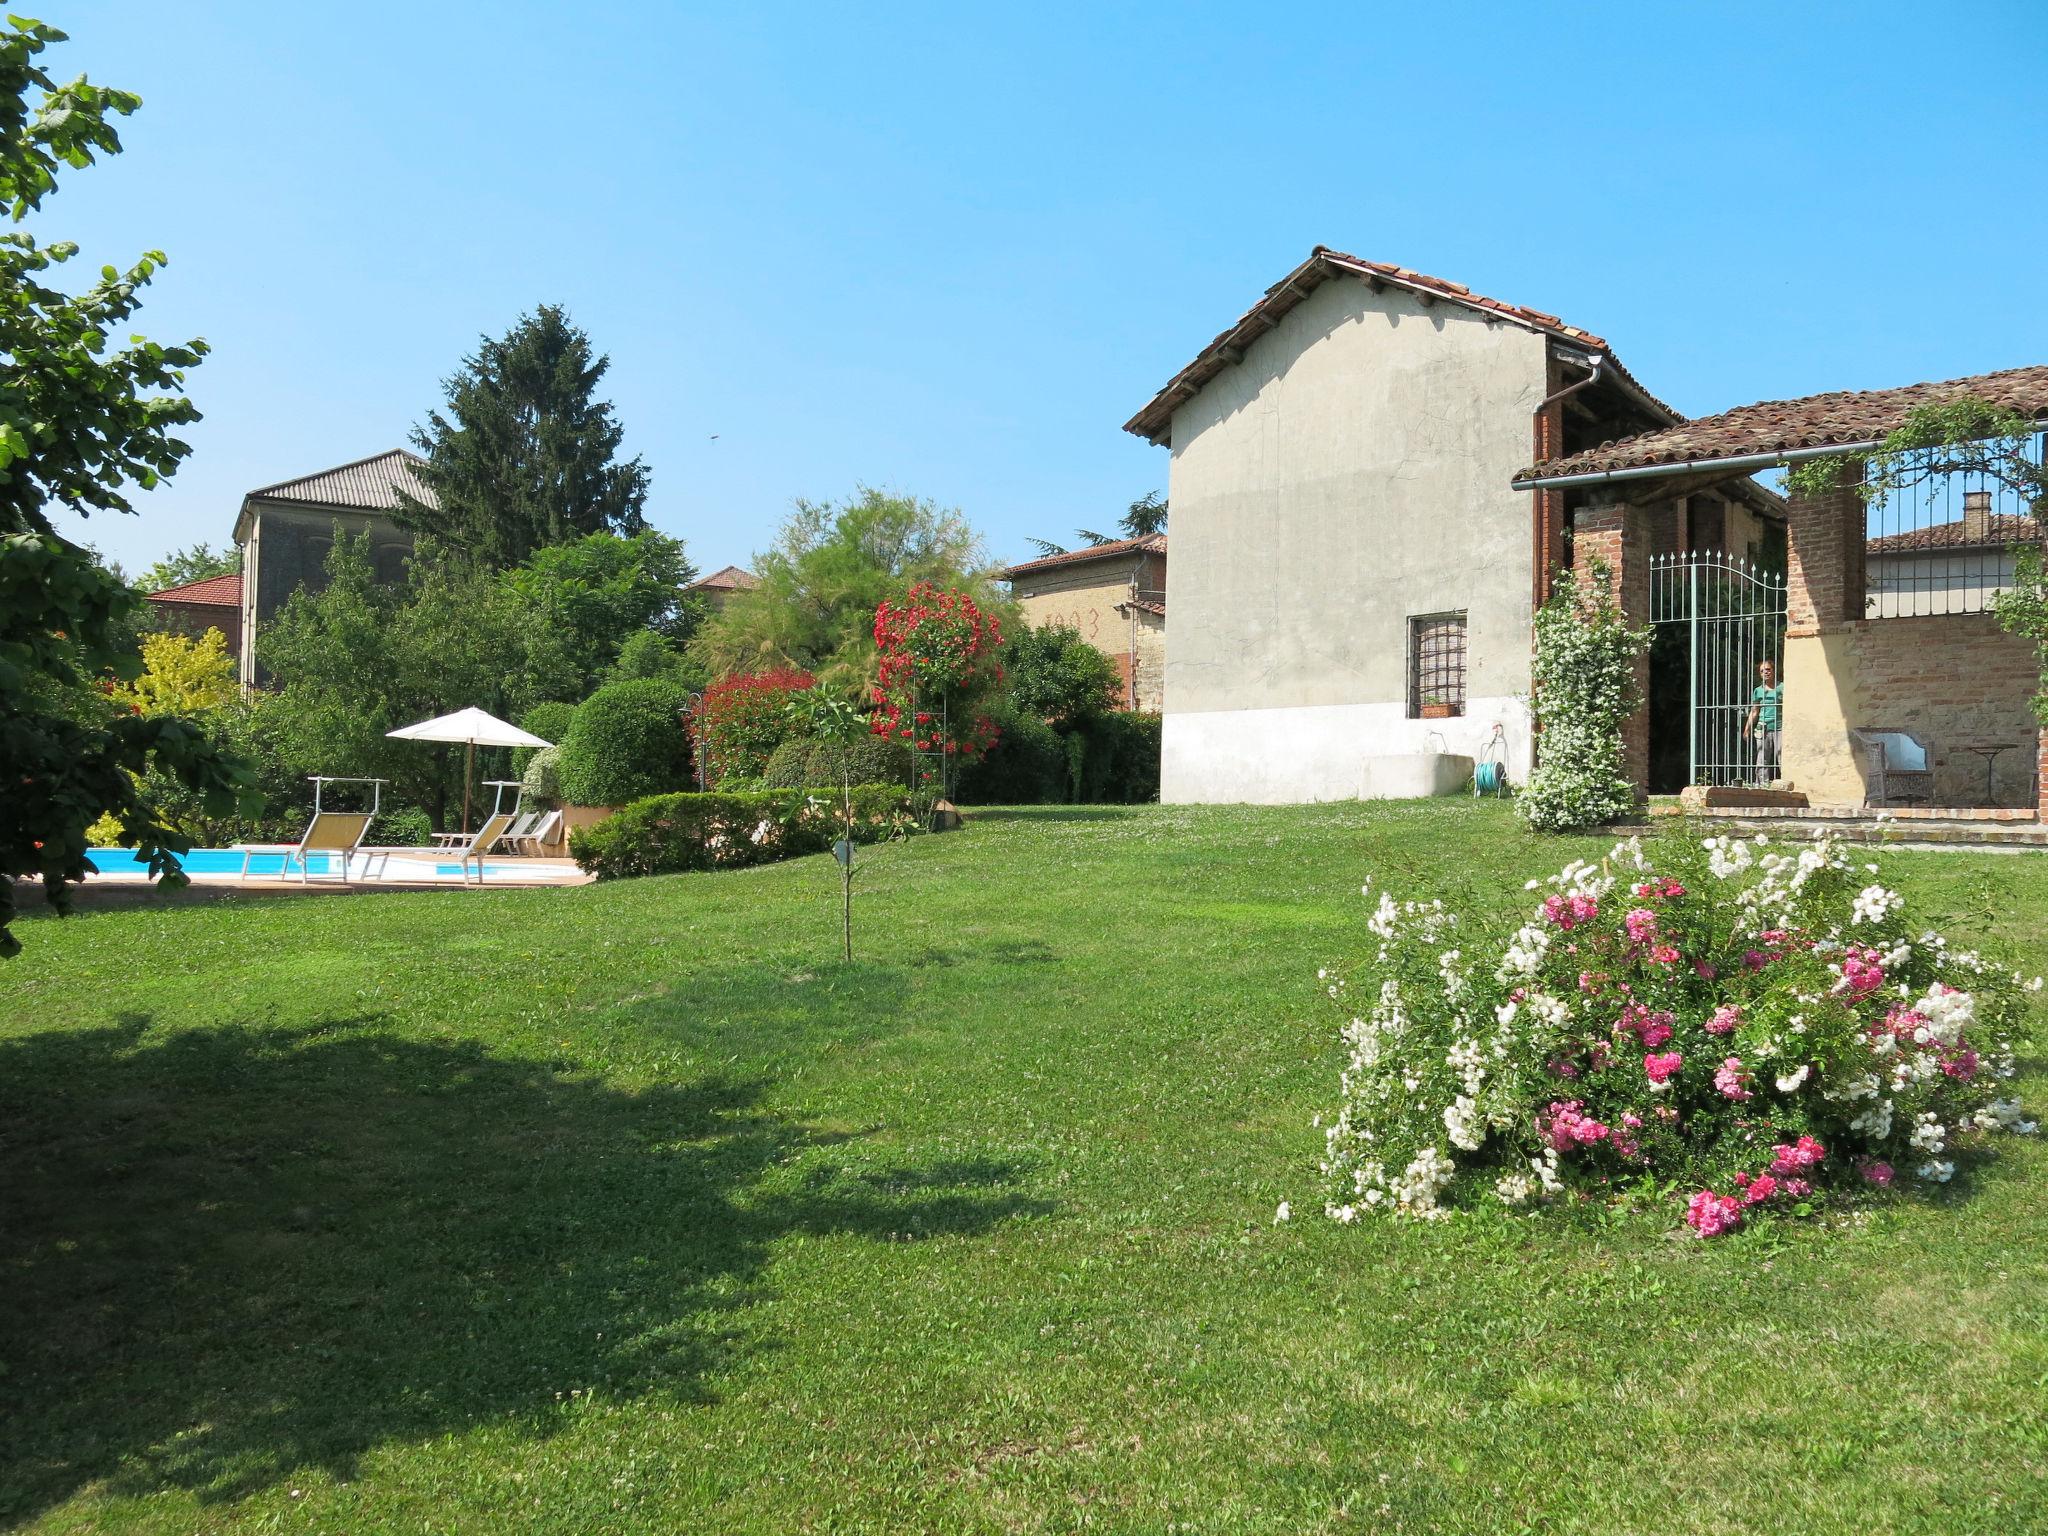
286,530
1955,567
1115,595
192,609
719,586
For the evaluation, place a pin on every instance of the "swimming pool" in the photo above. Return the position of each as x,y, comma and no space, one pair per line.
228,861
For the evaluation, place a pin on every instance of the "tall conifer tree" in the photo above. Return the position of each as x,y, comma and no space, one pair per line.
526,455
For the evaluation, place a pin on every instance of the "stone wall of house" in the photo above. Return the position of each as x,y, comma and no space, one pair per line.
1083,597
1148,662
1088,596
1950,680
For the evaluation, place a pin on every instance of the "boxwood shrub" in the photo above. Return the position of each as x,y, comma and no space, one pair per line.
803,763
627,741
674,834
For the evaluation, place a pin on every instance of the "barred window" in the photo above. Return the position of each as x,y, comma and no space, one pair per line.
1436,665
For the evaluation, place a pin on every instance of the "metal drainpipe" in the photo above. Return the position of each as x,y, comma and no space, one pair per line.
1593,362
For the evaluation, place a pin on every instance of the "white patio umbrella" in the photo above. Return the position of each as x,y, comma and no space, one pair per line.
474,728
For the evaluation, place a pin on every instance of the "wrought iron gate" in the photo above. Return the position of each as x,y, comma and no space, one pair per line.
1732,618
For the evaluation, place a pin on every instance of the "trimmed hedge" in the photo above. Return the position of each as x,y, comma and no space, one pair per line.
627,741
675,834
1113,759
801,763
1121,765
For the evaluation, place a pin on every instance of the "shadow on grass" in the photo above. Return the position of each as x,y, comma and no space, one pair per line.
230,1253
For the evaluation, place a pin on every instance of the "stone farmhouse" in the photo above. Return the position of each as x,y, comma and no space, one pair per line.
1354,575
1115,595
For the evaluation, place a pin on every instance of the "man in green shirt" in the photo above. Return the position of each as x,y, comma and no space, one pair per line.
1762,722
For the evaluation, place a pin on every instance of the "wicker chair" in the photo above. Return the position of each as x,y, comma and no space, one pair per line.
1898,766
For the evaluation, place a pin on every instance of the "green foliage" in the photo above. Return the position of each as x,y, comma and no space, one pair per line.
550,722
1111,760
1026,766
181,675
525,455
833,564
402,826
647,653
627,741
1058,677
1145,517
802,762
358,659
678,834
1122,762
83,417
1584,689
584,604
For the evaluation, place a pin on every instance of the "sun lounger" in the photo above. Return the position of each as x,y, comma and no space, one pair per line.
465,854
521,828
338,834
536,837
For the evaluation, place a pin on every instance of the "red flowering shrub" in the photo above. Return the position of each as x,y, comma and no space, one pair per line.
937,665
740,720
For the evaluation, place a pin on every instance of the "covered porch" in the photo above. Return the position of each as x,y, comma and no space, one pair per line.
1902,696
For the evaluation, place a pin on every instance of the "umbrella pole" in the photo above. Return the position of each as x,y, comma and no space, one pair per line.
468,768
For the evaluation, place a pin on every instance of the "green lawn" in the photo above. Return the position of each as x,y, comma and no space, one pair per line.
630,1208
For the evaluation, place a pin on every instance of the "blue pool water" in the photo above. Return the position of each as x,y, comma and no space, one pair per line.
203,861
228,861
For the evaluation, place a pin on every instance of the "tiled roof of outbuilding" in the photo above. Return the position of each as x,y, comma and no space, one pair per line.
1150,544
2001,529
370,484
1322,265
214,591
1846,417
730,579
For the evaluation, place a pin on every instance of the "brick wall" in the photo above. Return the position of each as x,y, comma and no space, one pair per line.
1825,557
1950,679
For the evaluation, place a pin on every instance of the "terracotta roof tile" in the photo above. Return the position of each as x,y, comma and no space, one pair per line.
1152,544
214,591
1322,265
2001,529
1146,604
730,579
1782,426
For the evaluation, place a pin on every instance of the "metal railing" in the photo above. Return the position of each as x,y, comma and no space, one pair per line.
1732,615
1944,545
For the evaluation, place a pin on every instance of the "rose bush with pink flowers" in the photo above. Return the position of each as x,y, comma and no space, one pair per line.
1758,1029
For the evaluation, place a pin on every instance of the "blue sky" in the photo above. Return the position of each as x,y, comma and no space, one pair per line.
950,250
